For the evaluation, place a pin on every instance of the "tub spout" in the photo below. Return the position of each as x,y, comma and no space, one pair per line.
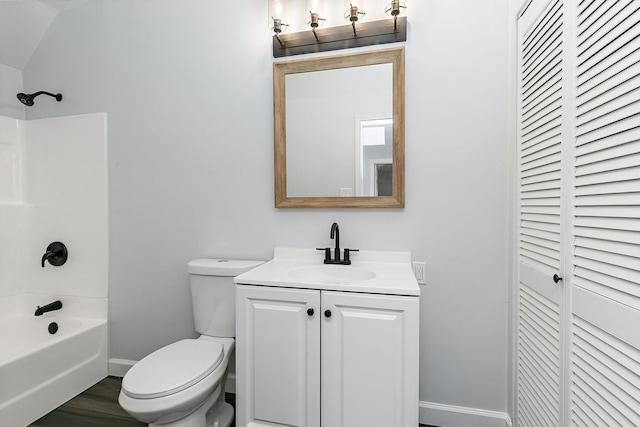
56,305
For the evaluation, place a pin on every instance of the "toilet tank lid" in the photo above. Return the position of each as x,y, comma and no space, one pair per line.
221,267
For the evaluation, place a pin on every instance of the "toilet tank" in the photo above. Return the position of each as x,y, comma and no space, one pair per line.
214,294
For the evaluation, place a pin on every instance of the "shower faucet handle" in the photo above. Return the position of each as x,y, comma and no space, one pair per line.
56,254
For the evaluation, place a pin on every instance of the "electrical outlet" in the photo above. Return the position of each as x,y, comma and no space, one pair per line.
419,269
346,192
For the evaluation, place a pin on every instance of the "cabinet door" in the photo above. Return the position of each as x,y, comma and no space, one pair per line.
369,360
278,357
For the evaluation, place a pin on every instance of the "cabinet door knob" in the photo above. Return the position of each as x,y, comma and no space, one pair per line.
327,313
556,278
310,312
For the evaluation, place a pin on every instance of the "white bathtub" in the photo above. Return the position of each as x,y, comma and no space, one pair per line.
40,371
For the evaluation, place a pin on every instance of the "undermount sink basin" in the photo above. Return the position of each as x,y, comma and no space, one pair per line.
331,274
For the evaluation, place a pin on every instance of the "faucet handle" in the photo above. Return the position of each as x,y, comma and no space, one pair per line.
327,253
56,254
347,259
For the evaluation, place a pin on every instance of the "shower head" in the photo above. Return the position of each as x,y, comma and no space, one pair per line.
27,99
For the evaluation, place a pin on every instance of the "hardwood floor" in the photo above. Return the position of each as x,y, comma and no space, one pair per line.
98,407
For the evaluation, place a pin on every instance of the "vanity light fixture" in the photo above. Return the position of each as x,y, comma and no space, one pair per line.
395,8
353,14
334,38
314,20
276,14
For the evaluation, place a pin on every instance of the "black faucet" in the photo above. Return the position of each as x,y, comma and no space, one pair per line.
56,305
335,234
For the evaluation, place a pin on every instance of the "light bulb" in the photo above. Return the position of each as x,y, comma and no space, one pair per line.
395,8
315,18
276,16
353,12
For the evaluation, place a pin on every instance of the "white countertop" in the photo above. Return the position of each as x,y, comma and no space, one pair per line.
393,272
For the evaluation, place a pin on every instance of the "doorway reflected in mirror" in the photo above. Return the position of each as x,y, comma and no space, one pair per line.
374,158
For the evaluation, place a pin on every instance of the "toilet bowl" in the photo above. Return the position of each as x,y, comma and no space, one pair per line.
180,385
183,384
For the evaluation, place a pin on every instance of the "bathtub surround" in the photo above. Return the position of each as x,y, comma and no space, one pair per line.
56,190
11,160
15,220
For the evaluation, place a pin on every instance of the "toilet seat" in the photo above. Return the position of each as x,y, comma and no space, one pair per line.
173,368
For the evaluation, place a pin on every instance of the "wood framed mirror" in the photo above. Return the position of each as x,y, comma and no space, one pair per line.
339,131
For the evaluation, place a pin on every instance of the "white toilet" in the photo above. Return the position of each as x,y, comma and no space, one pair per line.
182,384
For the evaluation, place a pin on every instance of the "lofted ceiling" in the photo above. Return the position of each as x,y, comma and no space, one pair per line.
23,23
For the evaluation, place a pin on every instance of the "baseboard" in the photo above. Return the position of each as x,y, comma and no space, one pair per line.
230,385
436,414
119,367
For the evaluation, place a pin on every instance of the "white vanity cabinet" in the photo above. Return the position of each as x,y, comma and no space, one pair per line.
322,358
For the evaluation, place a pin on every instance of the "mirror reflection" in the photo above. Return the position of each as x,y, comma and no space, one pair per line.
328,138
339,131
374,164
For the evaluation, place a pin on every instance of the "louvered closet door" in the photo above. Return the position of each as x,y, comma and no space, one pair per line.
605,359
540,137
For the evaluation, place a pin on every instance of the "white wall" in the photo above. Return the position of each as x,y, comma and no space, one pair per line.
187,86
23,23
10,86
